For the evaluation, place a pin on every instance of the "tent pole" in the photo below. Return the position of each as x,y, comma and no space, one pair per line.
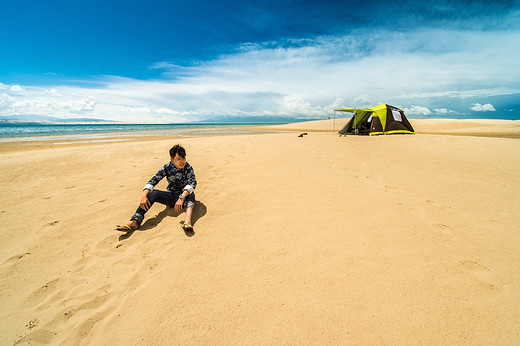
334,123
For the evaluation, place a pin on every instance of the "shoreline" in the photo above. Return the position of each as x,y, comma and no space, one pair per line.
506,129
462,127
42,132
46,142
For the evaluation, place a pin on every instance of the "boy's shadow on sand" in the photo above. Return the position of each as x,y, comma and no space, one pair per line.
198,212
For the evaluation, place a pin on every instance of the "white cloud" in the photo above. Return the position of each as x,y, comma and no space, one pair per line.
5,101
417,110
465,94
362,101
296,106
53,92
16,89
167,111
79,106
306,78
477,107
445,111
34,104
338,103
162,65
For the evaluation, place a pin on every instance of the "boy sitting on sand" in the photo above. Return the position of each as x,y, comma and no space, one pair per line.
179,194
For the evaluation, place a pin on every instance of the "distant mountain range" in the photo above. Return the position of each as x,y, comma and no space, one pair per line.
48,119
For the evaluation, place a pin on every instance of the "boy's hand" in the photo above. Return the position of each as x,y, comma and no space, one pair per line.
145,203
178,205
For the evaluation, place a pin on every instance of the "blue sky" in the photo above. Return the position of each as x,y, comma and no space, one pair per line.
183,61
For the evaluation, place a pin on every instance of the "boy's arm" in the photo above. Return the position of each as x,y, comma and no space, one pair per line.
150,185
192,181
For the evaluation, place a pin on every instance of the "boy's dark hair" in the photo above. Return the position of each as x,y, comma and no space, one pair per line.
177,149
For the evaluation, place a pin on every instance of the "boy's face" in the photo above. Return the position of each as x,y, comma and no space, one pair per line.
178,161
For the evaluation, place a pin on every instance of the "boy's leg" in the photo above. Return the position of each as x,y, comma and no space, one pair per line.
163,197
189,204
189,212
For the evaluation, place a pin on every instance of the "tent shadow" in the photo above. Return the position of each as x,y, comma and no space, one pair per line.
199,211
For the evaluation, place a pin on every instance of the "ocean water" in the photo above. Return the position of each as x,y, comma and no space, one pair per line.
51,131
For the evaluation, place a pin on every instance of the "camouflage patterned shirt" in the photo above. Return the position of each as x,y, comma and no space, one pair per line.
178,179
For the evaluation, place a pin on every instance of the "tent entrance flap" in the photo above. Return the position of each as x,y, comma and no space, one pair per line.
358,124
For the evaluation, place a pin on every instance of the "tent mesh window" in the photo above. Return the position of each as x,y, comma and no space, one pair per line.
395,120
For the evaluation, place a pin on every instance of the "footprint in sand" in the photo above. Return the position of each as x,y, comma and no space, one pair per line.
85,250
481,275
50,224
32,323
229,159
13,259
473,266
388,188
18,257
442,232
442,228
40,294
43,337
440,206
89,292
101,201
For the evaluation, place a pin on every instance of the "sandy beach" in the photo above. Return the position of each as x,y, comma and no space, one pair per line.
320,239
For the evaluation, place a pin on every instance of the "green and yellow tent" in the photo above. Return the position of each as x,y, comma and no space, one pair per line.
379,120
